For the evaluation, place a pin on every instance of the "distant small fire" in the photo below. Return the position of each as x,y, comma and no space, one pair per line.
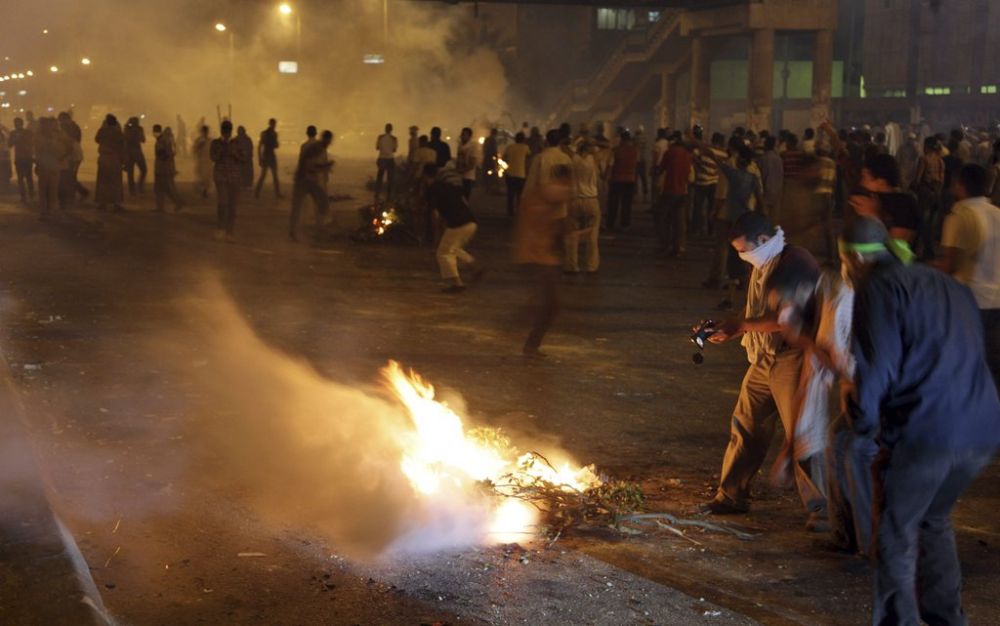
501,168
384,220
441,457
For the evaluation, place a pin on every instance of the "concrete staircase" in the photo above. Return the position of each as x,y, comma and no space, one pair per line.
624,73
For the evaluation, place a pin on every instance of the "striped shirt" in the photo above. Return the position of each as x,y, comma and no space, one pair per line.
706,170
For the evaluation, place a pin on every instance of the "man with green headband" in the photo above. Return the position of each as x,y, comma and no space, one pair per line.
924,394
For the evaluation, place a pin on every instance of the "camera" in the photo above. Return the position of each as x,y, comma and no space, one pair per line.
701,334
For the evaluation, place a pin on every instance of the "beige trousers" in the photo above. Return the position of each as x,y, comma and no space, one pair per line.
451,250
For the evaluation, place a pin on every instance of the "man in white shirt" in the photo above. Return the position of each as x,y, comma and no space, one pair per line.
970,245
386,144
467,162
584,213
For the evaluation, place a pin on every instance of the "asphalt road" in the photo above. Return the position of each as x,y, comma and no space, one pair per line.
161,369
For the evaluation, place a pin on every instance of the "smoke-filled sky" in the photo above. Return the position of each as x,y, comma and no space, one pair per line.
163,57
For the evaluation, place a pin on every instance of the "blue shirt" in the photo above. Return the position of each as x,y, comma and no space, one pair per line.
921,376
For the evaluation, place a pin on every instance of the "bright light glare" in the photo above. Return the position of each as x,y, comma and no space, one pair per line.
85,61
30,73
285,9
20,75
53,69
220,27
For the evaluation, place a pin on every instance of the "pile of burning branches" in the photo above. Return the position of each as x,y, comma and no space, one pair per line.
590,502
384,222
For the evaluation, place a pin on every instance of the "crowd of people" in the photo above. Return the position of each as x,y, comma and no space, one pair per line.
882,364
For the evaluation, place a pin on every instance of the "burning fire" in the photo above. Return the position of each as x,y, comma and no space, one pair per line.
442,458
501,168
383,221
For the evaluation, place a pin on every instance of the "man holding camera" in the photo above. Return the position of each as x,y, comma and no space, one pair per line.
770,383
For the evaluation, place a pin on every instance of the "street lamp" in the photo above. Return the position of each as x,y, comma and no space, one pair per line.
219,26
85,61
286,10
54,69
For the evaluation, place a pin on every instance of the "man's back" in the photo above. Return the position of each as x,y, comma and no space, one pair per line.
918,344
676,167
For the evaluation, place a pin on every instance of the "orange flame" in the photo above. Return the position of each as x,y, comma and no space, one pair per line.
442,458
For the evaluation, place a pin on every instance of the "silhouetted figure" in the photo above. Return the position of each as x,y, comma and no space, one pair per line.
110,161
386,144
267,157
442,149
72,131
311,174
246,147
182,136
135,136
52,154
22,141
165,169
227,155
200,149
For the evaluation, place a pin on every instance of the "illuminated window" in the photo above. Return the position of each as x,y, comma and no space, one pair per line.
988,89
615,19
653,17
938,91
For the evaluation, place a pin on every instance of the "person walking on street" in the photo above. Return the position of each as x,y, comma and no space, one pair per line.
584,213
111,154
311,174
622,176
135,136
670,211
441,147
923,392
446,198
228,157
201,149
386,145
23,143
539,232
52,154
467,162
246,147
165,168
516,158
267,157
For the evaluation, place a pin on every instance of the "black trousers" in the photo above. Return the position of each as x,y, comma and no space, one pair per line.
265,166
620,197
515,186
917,574
544,304
315,191
229,196
386,170
133,162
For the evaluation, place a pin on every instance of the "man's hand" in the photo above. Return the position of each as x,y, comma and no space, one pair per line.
727,330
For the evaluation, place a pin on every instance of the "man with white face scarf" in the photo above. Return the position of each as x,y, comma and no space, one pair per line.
771,382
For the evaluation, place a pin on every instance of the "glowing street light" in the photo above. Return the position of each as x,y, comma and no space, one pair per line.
54,69
30,73
219,26
85,61
285,9
20,75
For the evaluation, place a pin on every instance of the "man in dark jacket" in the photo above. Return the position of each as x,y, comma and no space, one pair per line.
923,391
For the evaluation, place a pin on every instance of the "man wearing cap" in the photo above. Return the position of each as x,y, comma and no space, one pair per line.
923,393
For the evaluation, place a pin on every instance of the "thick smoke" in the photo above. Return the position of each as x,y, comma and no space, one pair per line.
160,58
304,451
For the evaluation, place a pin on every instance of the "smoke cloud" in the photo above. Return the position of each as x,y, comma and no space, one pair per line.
302,450
165,57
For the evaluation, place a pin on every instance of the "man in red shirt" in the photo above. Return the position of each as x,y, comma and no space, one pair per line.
670,213
621,190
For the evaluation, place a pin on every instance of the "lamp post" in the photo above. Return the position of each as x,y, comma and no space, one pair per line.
221,28
287,10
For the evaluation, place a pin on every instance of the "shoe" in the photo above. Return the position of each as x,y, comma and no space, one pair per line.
220,235
453,289
293,237
724,506
230,238
533,353
571,272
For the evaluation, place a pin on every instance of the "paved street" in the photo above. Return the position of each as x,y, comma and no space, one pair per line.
158,418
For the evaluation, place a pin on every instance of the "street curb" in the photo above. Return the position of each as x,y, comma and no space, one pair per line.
44,578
